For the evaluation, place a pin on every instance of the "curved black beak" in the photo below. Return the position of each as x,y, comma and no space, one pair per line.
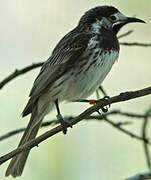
123,20
131,20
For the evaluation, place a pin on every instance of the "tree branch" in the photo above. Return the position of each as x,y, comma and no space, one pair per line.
142,176
20,130
144,135
54,122
100,103
135,44
145,140
19,72
125,34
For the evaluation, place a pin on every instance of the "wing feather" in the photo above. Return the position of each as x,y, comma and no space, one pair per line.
65,55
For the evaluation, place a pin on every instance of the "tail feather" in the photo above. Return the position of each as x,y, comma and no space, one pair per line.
17,163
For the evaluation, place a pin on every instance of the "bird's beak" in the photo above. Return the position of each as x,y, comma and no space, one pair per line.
131,20
122,19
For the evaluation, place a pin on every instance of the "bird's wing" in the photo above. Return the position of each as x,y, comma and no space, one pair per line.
66,53
64,56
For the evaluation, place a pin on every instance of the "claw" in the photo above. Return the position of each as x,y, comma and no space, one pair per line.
99,113
107,98
105,109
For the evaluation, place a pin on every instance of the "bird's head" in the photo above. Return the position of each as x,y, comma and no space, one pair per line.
106,16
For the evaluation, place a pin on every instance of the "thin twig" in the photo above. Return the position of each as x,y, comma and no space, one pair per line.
144,135
118,124
125,34
132,115
126,131
100,103
20,130
53,122
19,72
135,44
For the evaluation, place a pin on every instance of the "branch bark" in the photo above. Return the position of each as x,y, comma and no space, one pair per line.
144,135
55,121
100,104
19,72
145,140
125,34
135,44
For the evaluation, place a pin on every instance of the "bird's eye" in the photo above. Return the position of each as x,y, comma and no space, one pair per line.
112,18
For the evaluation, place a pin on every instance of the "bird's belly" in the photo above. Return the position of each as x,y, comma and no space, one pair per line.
81,83
87,81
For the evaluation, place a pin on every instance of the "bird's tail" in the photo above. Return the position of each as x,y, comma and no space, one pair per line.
17,163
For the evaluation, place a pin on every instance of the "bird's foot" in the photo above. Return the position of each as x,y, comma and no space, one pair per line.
63,123
106,108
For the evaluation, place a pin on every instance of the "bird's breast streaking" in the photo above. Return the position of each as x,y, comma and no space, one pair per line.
98,65
89,73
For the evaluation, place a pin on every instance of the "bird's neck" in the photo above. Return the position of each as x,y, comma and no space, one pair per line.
107,39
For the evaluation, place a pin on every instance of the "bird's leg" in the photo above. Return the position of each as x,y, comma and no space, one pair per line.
63,123
92,101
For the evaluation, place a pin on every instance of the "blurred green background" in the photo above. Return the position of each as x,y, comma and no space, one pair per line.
91,150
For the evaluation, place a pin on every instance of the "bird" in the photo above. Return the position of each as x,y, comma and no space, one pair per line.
76,68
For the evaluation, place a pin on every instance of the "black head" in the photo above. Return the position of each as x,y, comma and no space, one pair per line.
106,16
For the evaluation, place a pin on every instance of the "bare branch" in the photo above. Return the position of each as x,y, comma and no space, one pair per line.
135,44
20,130
54,122
144,135
100,103
132,115
126,131
141,176
125,34
19,72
